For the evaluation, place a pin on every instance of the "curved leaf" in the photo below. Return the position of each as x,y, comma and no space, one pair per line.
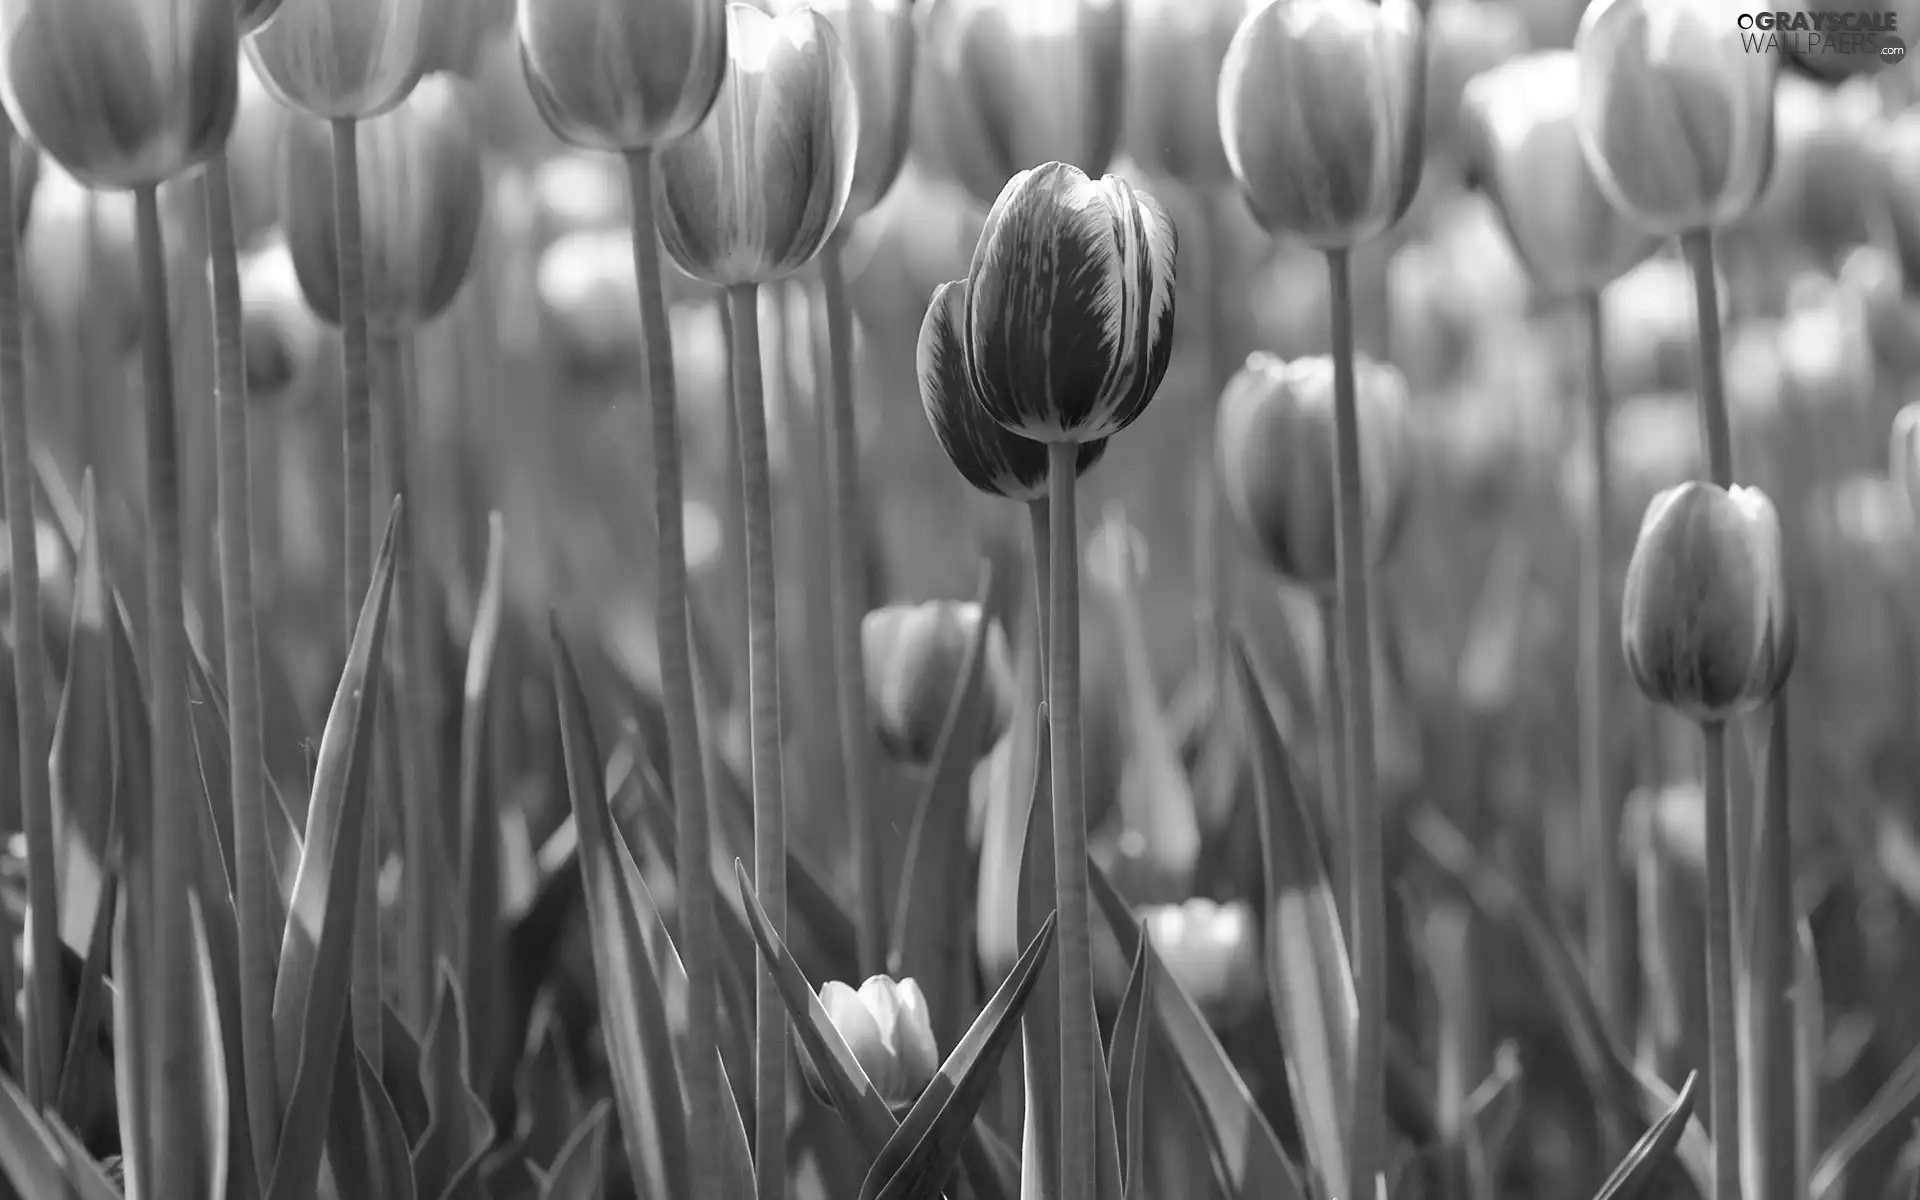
1653,1151
578,1172
1127,1071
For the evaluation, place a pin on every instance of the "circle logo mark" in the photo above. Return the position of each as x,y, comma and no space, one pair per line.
1892,50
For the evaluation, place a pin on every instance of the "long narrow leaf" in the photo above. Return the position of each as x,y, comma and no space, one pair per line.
1654,1150
40,1162
578,1172
1127,1071
478,944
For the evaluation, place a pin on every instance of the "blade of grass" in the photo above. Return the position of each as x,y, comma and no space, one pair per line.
83,764
39,1159
1127,1071
1893,1102
459,1129
1809,1046
1655,1149
1768,1108
477,870
579,1168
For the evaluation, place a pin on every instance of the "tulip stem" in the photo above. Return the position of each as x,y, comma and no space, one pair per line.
255,888
1040,536
1218,574
847,548
1774,1135
162,855
1722,1044
674,641
1366,870
1074,950
356,507
1333,748
1599,803
763,688
44,1040
1715,431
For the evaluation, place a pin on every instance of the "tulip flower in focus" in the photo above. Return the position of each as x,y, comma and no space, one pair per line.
877,38
344,59
1322,116
281,336
1275,456
1706,621
422,187
1520,142
885,1024
122,93
1069,305
1174,52
1903,460
916,655
1213,952
987,455
753,194
1011,84
1675,114
623,75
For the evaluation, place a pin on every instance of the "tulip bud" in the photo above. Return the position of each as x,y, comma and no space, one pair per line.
1213,952
1174,52
1521,144
877,38
344,59
421,188
1706,622
987,455
916,654
1675,115
752,195
122,93
1322,115
1276,460
278,330
886,1026
1069,305
1903,460
623,74
1466,39
1012,84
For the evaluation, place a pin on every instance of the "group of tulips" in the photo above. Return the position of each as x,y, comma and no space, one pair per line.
755,137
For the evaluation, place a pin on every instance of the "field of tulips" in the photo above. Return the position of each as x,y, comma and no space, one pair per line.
958,600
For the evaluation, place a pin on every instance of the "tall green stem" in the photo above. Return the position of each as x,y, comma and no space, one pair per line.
1599,799
1333,749
1366,870
254,884
673,639
1716,432
847,548
1040,537
763,685
1774,1097
1723,1059
357,517
1074,950
45,1040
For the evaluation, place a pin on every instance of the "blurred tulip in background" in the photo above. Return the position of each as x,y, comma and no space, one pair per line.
610,75
879,42
1213,951
1174,52
915,655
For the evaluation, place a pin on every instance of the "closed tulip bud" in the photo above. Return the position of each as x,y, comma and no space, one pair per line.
1706,622
1012,84
1069,305
1903,463
344,59
1322,115
753,194
623,74
1213,952
1520,142
1174,52
916,655
421,188
122,93
1676,115
1275,457
281,336
877,37
987,455
887,1027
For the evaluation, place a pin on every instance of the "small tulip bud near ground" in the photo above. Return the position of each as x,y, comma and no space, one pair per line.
1676,114
1707,624
1213,952
1174,52
623,75
915,657
122,93
886,1026
343,59
877,39
1275,456
1321,113
1520,142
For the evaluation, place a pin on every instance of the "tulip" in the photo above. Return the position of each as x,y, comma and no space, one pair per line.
1275,457
80,264
915,658
1174,52
421,179
460,32
877,38
886,1026
1012,84
752,195
1212,951
1707,627
122,93
1830,148
1522,145
1321,114
345,59
282,338
1467,39
619,75
1675,114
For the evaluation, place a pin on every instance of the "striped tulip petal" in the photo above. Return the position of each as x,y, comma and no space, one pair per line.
622,74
